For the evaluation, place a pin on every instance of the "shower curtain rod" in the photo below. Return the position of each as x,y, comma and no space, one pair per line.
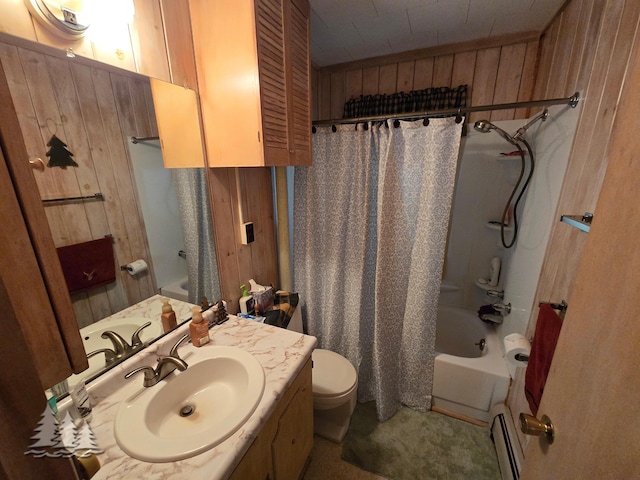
572,101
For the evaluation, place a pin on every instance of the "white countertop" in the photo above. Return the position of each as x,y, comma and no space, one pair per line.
282,354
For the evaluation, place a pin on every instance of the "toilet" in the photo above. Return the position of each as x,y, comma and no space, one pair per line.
335,389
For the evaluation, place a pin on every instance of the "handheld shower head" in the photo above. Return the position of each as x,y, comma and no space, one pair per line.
485,126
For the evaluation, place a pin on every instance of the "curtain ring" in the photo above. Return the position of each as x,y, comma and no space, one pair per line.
333,128
313,129
396,123
425,121
458,116
366,126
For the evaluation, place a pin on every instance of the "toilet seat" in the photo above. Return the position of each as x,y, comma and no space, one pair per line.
334,377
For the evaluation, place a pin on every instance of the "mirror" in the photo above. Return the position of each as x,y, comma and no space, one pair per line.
93,111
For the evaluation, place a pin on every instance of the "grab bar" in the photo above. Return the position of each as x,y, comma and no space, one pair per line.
561,307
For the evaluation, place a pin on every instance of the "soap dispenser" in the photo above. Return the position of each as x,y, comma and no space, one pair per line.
198,328
168,316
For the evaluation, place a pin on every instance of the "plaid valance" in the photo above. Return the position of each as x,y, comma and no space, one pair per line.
438,98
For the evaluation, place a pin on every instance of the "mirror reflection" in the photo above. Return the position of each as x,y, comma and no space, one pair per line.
157,220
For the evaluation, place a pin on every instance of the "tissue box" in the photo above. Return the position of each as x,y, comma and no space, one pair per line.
263,299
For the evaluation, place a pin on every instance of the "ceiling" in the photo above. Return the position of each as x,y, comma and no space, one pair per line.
347,30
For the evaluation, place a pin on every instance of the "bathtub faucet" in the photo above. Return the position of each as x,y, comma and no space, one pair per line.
502,308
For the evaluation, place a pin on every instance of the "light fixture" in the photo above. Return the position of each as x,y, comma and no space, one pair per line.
64,18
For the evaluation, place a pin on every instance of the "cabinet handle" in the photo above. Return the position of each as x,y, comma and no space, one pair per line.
293,441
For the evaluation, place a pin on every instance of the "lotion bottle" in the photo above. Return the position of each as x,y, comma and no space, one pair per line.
168,316
198,328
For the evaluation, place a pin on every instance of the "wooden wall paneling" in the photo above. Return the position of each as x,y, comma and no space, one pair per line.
114,47
370,80
16,20
602,74
258,184
76,139
387,83
177,29
40,241
577,12
484,80
353,84
221,181
588,55
463,70
562,54
324,96
36,147
100,152
149,109
148,41
315,94
244,257
423,74
547,47
527,82
81,47
337,94
134,120
442,70
406,72
109,102
508,79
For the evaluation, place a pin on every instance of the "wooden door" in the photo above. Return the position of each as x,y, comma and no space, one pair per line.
593,389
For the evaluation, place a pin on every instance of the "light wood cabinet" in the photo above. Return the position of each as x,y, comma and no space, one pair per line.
282,448
253,70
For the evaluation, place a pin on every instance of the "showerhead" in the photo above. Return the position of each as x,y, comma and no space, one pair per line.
485,126
541,116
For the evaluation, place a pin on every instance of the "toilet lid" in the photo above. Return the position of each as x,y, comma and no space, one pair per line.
333,374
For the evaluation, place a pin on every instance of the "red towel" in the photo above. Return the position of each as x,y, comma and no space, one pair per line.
542,349
88,265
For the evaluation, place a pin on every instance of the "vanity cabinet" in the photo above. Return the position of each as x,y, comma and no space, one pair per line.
282,448
253,71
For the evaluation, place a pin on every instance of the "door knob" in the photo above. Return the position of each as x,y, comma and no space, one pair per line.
530,425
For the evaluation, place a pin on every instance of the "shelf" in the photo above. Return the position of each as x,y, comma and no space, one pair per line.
577,221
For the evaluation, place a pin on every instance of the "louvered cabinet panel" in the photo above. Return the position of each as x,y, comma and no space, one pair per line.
252,64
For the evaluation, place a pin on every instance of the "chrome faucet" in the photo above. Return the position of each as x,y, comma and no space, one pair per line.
165,366
502,308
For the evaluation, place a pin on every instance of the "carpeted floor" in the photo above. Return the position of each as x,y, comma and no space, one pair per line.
415,445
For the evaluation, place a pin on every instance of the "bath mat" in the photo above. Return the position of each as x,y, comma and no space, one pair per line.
424,445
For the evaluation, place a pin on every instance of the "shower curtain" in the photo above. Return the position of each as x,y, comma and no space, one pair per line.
197,230
370,227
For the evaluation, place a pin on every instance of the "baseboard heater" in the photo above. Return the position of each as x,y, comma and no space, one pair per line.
503,434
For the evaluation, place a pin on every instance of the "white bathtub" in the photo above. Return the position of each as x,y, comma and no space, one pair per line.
467,381
177,290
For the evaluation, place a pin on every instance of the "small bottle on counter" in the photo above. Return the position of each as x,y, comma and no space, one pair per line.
198,328
81,400
168,316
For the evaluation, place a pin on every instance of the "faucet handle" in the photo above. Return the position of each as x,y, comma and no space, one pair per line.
135,338
109,355
150,378
120,345
174,350
495,293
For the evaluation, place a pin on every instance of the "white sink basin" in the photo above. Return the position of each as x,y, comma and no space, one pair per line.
221,388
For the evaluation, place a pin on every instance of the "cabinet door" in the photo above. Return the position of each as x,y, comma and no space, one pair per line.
299,65
294,439
29,263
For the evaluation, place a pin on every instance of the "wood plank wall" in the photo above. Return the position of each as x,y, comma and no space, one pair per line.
500,70
93,111
587,48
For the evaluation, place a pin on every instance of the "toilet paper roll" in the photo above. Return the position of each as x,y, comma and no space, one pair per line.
136,267
517,349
